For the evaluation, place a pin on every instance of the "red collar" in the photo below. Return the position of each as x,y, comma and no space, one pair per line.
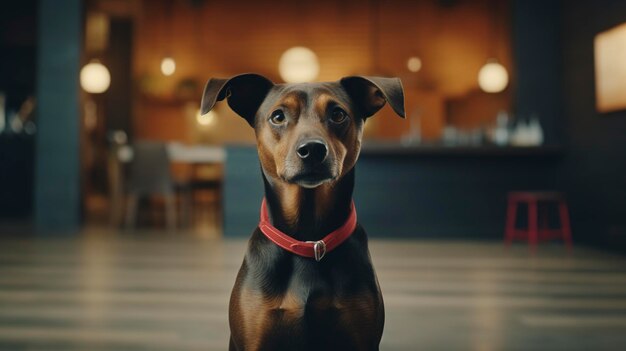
310,249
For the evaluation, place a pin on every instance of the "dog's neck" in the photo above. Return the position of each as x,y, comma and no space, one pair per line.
309,214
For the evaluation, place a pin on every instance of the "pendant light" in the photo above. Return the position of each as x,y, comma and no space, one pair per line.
300,64
414,64
95,77
493,77
168,64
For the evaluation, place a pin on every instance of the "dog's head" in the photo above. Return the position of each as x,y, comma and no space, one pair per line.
309,133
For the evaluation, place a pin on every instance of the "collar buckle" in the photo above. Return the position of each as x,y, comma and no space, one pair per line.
319,249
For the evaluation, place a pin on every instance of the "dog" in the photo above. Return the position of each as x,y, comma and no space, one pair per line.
307,281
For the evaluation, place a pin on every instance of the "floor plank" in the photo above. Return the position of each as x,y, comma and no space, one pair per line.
149,291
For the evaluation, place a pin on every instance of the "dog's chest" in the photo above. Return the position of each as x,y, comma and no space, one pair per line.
307,296
313,297
294,302
297,318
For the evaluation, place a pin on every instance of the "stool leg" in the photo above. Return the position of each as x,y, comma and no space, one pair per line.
130,220
185,207
543,221
218,208
533,231
170,211
566,230
511,217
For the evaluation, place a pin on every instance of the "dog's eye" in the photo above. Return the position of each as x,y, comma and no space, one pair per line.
278,117
338,115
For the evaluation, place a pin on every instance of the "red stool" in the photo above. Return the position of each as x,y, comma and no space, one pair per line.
537,231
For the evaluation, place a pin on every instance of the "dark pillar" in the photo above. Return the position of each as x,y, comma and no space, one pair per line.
537,54
57,177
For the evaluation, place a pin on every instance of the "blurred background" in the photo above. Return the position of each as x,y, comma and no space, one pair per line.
124,211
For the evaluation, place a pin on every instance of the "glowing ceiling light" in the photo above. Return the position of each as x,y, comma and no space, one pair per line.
298,65
493,77
206,119
95,77
168,66
414,64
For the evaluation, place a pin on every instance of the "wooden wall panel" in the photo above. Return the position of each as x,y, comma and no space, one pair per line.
350,37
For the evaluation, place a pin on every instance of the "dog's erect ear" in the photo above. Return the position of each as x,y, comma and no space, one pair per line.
370,93
244,94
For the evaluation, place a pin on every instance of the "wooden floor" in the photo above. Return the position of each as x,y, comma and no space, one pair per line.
149,291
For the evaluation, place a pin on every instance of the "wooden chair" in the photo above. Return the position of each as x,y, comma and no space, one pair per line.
198,183
149,174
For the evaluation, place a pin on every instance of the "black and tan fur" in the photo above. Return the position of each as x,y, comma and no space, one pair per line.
281,301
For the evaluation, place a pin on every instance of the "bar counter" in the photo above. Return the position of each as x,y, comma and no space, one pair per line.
413,191
397,149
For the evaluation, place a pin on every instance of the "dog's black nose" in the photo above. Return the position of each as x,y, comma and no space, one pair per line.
313,151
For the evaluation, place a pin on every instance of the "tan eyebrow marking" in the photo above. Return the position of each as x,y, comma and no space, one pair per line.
324,99
293,101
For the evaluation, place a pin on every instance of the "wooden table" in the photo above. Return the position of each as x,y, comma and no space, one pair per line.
195,155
